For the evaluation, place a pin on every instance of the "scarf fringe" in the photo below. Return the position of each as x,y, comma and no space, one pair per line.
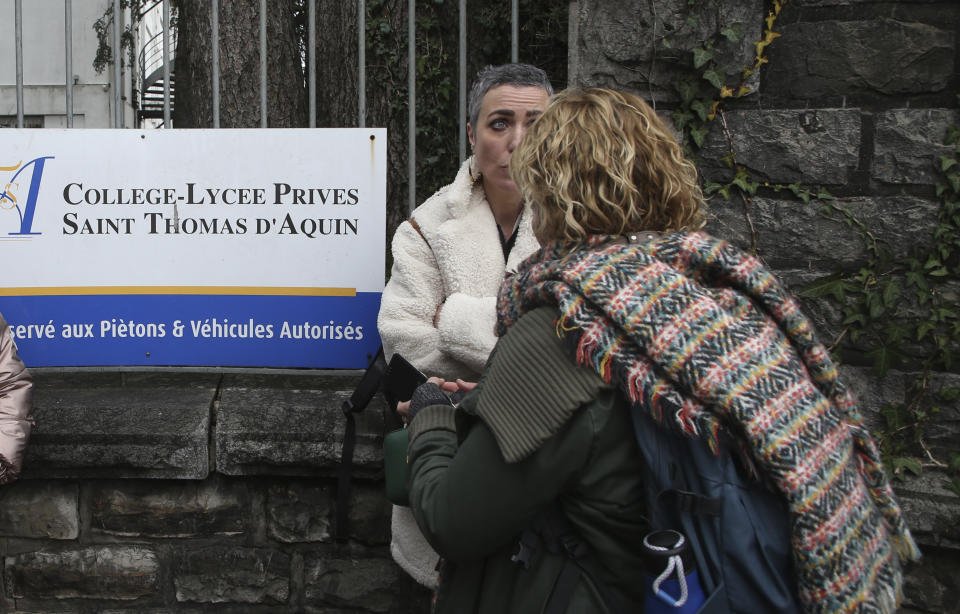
708,372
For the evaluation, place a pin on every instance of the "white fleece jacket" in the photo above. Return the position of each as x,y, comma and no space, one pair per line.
457,262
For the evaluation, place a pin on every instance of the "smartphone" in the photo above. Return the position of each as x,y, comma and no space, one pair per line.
401,380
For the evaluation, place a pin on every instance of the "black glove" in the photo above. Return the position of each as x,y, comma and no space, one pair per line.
426,395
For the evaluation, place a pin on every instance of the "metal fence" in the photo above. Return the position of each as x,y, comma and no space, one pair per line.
167,41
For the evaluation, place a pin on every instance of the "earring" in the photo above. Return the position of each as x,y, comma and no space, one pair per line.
472,169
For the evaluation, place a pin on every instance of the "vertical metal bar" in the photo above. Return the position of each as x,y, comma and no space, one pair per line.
166,63
515,31
462,70
361,63
215,58
263,63
18,37
117,56
68,58
411,105
312,60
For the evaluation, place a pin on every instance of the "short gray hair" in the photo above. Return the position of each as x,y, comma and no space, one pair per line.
519,75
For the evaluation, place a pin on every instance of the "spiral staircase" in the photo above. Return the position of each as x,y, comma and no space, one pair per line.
152,83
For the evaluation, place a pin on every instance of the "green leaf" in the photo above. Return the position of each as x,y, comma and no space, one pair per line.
949,395
946,162
883,358
941,272
892,416
700,109
905,463
681,119
714,78
953,484
701,56
891,292
687,90
855,318
732,33
923,329
831,285
954,462
698,135
913,278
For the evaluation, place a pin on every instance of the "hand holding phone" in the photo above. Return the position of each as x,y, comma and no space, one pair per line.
402,378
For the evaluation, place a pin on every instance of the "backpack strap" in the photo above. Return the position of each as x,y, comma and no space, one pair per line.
690,502
416,226
366,389
552,530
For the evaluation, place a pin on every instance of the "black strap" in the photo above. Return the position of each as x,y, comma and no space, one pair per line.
365,391
563,589
558,535
691,502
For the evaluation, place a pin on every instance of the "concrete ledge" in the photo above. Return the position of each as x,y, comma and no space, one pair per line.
293,425
121,425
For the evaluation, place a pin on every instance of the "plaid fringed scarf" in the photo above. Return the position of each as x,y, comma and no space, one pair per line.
704,337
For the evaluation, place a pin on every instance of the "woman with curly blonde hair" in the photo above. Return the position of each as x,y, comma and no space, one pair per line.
629,323
606,163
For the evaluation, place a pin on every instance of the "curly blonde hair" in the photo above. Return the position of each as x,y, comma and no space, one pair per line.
600,161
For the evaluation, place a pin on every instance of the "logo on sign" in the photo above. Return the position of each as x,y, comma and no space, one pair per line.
20,193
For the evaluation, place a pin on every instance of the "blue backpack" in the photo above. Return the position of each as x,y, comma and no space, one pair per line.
738,530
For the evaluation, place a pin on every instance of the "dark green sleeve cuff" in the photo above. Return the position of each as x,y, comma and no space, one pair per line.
432,418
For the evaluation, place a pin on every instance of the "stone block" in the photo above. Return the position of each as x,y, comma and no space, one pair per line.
293,425
638,45
832,3
873,392
810,236
299,512
943,435
233,575
908,144
168,508
368,584
933,585
40,510
814,146
370,514
930,509
859,58
96,572
121,425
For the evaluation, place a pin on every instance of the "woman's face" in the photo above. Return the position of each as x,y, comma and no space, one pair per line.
506,112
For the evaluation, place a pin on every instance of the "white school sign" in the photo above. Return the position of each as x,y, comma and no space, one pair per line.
253,248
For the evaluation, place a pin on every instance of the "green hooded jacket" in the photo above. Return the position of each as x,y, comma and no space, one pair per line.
537,431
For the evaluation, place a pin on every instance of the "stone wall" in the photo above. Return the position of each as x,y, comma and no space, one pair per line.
216,492
856,98
178,492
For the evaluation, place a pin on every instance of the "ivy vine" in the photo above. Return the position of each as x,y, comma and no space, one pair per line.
900,312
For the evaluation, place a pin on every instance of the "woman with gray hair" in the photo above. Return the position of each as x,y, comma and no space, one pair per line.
631,321
439,307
